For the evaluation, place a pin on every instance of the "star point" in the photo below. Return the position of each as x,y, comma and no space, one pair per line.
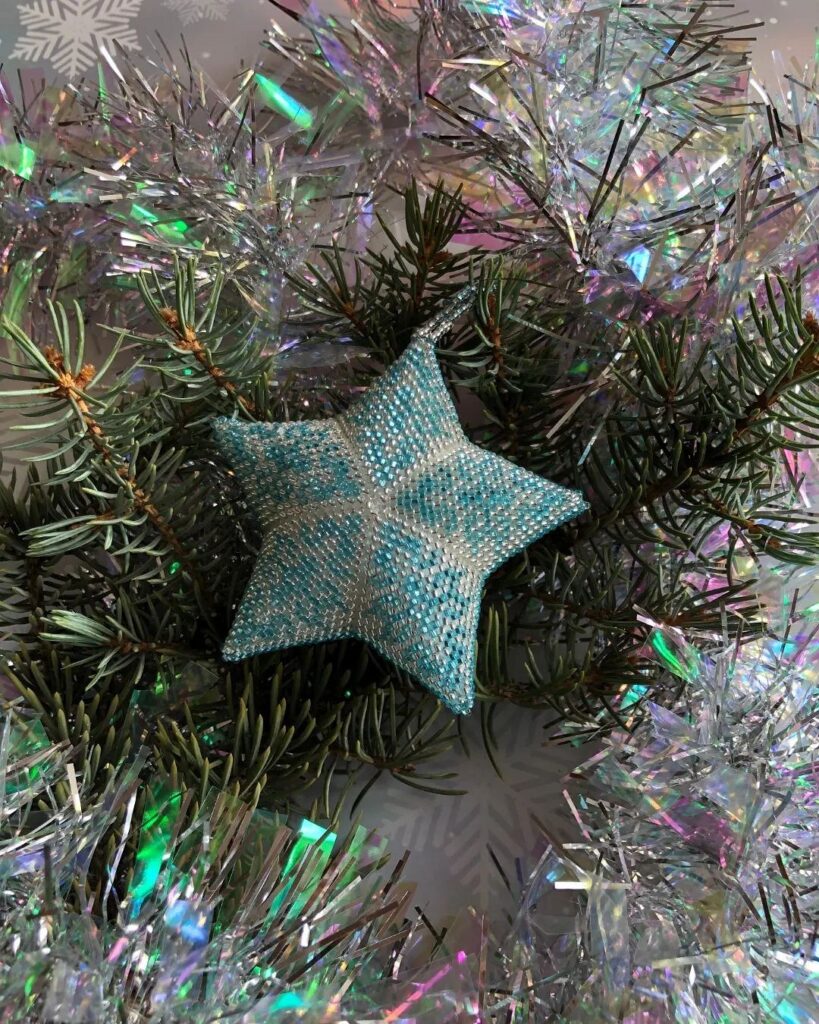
383,524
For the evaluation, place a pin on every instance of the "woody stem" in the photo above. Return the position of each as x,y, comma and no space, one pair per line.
186,339
70,387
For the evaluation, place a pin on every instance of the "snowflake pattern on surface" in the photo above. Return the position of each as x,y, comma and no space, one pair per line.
69,33
460,844
191,11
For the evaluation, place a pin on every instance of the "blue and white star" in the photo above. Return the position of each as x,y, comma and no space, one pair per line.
384,523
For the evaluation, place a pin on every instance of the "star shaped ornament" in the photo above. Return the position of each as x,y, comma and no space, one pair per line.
384,523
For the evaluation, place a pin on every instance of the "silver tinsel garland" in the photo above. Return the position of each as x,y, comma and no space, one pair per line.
690,894
210,913
624,152
696,867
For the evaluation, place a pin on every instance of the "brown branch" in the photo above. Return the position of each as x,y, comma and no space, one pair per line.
807,364
763,403
186,339
430,257
495,336
71,387
36,594
348,309
753,533
147,647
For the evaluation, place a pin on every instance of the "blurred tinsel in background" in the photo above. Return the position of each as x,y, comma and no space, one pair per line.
638,218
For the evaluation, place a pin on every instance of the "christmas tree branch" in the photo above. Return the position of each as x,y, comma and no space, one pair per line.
187,341
698,467
71,388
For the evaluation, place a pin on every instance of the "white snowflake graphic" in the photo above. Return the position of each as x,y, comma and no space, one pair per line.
69,33
191,11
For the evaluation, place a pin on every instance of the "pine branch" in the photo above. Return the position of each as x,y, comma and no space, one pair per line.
697,465
71,388
676,445
187,341
391,292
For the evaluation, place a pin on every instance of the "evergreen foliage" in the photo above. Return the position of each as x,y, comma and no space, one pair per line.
127,545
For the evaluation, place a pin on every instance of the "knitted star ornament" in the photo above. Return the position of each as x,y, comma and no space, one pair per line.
383,524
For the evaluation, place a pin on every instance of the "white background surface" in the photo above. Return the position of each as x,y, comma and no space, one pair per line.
450,837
